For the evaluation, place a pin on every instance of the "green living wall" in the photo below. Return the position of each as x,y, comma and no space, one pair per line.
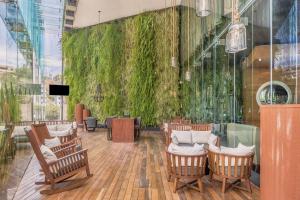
130,60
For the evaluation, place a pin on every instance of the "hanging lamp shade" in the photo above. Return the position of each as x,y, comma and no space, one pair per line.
188,75
236,40
203,8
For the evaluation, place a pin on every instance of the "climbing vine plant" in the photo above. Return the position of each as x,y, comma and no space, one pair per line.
141,85
130,60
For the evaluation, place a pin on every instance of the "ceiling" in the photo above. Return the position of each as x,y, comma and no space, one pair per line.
87,10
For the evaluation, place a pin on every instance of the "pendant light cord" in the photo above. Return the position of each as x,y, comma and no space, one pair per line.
173,33
235,11
189,1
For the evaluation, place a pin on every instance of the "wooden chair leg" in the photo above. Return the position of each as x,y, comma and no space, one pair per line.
87,169
211,175
249,185
200,185
169,177
175,185
224,185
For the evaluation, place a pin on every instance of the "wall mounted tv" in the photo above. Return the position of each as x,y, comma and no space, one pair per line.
59,90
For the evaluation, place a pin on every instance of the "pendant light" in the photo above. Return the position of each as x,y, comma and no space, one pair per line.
203,8
173,58
188,73
236,40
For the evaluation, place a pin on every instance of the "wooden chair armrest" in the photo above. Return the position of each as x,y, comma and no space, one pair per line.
62,146
65,151
69,163
71,158
82,152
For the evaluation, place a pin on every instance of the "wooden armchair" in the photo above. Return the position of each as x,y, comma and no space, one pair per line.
235,168
188,168
69,163
42,133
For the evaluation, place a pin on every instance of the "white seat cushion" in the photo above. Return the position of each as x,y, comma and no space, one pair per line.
48,154
52,142
214,148
200,136
196,149
246,148
181,137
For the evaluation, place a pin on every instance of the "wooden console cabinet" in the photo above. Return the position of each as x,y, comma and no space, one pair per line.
280,152
123,130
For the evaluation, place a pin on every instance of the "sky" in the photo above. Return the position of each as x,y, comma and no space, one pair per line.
52,12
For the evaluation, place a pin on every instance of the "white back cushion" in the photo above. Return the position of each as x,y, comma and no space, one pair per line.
212,139
182,137
48,154
239,151
200,136
52,142
63,127
52,127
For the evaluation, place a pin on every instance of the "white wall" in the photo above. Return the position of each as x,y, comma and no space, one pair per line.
87,10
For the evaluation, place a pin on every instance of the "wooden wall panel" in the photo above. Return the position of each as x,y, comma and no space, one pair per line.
280,152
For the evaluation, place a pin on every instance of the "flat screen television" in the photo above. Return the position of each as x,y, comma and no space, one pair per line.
59,90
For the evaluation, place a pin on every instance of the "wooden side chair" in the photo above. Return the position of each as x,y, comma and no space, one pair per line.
187,170
42,133
108,123
69,163
137,127
230,167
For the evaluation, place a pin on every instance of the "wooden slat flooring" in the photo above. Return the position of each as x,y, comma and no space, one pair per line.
126,171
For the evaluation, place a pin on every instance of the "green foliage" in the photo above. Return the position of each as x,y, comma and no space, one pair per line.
52,112
141,86
9,104
130,59
24,73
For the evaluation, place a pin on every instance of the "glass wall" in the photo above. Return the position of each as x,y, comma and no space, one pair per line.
227,89
30,60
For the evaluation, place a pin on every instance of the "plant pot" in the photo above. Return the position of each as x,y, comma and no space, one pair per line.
86,113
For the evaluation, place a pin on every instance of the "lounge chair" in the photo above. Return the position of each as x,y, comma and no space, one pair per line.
42,133
69,162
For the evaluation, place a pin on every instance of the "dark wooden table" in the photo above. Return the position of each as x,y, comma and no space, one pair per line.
123,130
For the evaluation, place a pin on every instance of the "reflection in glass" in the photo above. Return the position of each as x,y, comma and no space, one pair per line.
236,38
278,93
203,8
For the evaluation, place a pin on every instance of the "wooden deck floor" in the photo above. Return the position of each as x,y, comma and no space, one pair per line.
126,171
